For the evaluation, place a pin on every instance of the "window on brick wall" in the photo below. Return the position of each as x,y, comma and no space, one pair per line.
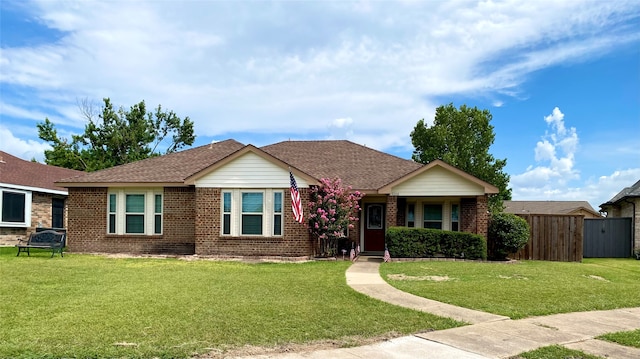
277,213
134,211
252,212
57,213
16,208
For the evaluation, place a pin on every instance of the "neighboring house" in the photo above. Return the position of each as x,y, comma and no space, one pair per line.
626,204
29,198
233,199
551,207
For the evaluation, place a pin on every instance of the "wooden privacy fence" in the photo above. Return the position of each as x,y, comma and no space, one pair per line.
553,238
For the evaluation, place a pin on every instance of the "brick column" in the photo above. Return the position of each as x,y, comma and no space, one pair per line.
482,216
391,212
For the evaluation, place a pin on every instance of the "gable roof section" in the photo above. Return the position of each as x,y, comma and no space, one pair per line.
243,151
548,207
360,167
488,188
627,192
18,172
172,169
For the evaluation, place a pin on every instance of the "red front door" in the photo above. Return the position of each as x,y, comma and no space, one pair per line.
374,227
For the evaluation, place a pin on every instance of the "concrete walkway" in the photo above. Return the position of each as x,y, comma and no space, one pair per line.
488,336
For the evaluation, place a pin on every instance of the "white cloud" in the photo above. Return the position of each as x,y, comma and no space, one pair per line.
556,157
288,67
26,150
552,178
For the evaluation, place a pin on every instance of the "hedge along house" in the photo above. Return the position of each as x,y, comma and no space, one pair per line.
29,199
230,199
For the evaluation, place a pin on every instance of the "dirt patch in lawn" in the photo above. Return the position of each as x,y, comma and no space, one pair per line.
248,351
432,278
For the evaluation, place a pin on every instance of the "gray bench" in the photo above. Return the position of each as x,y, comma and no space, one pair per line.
49,239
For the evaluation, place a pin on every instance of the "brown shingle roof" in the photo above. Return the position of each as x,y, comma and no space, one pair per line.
171,168
16,171
361,167
547,207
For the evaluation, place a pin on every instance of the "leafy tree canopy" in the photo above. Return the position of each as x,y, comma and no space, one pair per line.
462,137
116,137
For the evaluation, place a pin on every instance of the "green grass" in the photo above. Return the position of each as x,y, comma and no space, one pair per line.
630,339
526,288
94,307
557,352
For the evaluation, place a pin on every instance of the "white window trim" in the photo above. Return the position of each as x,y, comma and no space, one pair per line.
447,205
149,210
28,198
236,212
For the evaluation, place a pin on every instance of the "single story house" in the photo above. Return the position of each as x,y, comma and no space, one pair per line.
551,207
29,198
626,204
231,199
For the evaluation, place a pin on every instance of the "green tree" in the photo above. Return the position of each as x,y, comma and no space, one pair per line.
462,138
116,137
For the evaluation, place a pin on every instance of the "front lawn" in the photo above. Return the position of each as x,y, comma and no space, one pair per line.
94,306
630,338
556,352
524,288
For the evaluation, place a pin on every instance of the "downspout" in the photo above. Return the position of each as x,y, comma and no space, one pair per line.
633,226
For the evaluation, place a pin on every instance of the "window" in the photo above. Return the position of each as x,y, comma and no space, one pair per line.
433,216
455,217
135,212
134,218
411,215
157,220
226,213
252,212
16,208
57,213
112,213
13,204
252,208
374,216
277,213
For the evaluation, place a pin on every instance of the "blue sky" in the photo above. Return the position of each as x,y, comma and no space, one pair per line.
561,78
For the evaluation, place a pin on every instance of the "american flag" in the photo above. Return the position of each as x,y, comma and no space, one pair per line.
296,203
387,256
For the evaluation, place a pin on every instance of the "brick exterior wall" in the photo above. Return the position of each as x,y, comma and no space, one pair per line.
87,225
482,216
474,215
391,212
401,219
295,242
41,216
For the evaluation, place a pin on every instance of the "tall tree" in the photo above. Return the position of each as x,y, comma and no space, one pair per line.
462,138
116,137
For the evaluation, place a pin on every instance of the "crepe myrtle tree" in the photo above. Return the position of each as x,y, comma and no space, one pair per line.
333,210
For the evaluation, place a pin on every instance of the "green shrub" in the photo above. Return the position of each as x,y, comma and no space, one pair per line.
405,242
508,233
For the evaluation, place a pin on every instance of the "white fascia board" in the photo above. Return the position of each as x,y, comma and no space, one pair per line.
33,189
